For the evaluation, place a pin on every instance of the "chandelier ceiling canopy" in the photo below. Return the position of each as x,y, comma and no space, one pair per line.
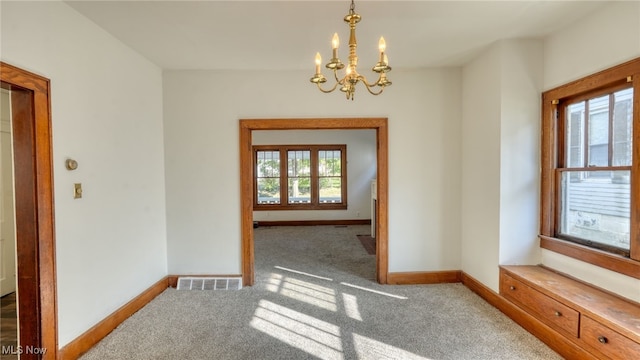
351,76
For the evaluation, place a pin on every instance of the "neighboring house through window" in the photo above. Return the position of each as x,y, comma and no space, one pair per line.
594,192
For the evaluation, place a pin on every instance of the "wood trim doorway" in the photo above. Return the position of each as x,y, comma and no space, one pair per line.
33,178
246,181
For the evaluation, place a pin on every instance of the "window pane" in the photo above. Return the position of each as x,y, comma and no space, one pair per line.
268,176
330,190
330,176
329,163
595,207
622,127
599,131
299,172
299,163
268,163
575,135
268,191
300,190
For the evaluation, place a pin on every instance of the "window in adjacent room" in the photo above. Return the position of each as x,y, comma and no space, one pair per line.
290,177
590,169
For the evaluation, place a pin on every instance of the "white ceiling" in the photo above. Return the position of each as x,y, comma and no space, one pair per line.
284,35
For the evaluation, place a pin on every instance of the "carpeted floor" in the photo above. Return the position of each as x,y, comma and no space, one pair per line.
315,298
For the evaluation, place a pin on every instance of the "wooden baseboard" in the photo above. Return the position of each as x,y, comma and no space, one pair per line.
172,280
483,291
428,277
91,337
565,348
314,222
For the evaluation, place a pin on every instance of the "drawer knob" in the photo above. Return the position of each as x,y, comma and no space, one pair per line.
603,340
512,287
558,313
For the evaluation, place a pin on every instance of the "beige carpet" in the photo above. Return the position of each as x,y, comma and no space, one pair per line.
315,298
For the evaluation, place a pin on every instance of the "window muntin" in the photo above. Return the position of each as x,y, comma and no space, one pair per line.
594,192
314,175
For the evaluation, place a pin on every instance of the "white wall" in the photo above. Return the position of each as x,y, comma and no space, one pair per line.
480,194
521,84
361,169
201,112
107,114
608,37
500,130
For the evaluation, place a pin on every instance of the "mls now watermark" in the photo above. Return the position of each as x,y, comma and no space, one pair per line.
19,350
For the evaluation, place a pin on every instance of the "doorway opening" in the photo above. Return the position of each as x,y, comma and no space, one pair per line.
8,283
34,226
247,176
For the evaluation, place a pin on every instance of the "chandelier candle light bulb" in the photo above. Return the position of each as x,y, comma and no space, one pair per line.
348,82
318,62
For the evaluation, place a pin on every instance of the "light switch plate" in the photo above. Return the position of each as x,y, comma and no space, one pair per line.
77,191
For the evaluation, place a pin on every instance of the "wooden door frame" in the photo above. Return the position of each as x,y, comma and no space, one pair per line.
35,241
246,181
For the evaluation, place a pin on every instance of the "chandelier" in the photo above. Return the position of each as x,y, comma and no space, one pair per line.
351,76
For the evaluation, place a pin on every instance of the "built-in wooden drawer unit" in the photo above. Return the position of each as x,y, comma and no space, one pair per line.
591,321
607,343
552,312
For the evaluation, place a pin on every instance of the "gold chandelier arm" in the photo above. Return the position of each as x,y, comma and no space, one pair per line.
373,92
335,74
364,80
369,86
328,91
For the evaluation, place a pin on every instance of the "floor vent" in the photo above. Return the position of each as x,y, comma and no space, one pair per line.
209,283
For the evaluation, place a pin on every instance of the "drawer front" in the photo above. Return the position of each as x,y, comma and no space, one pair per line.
553,313
606,343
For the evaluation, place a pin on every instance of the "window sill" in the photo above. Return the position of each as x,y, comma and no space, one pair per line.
274,207
613,262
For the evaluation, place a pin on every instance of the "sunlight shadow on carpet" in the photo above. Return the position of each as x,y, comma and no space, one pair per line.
374,291
303,273
316,337
369,348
